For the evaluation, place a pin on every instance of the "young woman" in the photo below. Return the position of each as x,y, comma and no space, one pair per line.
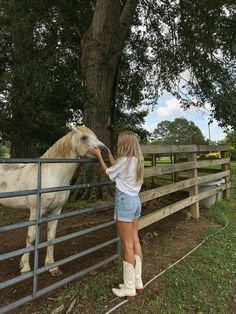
127,172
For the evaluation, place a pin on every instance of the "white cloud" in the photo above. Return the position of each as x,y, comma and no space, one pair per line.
170,110
149,126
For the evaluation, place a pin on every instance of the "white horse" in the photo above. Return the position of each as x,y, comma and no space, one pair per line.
14,177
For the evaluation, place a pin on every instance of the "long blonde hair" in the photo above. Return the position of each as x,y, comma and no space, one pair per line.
128,146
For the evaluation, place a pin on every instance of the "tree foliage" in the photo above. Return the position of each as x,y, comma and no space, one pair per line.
179,132
61,61
4,151
193,51
40,77
230,139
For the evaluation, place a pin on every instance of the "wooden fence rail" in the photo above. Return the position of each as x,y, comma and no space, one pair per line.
193,167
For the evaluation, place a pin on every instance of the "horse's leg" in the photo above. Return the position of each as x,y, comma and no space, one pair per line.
51,234
24,262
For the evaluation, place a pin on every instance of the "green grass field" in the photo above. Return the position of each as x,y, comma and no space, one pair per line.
160,160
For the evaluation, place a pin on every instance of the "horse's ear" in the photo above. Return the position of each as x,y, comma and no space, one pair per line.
73,128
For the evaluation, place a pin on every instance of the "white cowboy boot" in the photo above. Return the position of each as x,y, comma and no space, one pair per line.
128,288
138,275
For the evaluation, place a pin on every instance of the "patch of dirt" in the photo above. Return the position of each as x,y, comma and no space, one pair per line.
156,239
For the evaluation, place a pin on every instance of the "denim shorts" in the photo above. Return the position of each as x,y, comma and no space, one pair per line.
127,207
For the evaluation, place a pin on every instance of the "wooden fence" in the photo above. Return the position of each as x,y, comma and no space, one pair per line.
188,159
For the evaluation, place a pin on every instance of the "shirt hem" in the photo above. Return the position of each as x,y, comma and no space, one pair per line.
137,194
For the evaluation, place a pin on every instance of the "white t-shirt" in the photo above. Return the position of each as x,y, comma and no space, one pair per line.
124,174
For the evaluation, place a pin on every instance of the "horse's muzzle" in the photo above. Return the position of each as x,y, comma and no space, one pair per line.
104,151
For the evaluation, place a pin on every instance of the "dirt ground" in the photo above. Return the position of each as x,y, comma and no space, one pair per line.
182,231
13,240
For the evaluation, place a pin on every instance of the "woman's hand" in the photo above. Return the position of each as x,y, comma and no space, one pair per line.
95,152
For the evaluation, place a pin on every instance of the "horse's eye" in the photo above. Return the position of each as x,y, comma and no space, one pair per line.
84,137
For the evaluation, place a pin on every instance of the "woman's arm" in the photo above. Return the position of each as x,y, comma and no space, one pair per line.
111,158
96,152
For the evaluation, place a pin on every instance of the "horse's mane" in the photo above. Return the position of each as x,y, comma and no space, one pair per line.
60,149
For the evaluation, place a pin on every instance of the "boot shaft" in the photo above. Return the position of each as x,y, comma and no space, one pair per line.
138,272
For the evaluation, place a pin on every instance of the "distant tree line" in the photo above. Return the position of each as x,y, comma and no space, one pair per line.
178,132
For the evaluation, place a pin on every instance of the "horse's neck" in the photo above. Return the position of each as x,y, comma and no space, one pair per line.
62,149
60,173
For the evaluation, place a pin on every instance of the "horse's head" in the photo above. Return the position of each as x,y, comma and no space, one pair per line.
83,138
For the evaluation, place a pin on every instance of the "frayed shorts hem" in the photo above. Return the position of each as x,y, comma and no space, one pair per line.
125,219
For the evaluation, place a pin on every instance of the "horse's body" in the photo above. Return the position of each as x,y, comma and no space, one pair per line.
16,177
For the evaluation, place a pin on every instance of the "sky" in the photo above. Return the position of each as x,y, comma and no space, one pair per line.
168,108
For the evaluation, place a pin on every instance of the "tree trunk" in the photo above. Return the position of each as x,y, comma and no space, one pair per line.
21,148
22,109
101,48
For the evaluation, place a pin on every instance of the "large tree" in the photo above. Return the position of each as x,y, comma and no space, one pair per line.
179,132
183,47
126,53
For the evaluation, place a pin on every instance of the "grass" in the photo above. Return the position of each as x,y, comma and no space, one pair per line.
233,182
94,291
7,215
203,282
160,160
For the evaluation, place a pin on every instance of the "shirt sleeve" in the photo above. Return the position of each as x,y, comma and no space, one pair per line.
115,170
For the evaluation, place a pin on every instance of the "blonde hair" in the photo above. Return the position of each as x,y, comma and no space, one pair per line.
128,146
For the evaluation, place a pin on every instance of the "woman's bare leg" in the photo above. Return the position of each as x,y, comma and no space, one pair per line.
137,246
125,230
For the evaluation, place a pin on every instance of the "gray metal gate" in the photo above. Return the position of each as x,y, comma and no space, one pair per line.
39,245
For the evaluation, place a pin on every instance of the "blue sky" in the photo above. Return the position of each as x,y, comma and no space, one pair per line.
168,108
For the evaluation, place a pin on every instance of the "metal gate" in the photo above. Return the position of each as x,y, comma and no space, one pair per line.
35,293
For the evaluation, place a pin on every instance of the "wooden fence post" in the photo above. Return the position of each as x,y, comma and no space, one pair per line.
226,193
154,163
172,162
193,190
176,174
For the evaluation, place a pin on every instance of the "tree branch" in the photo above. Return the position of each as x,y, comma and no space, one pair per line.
126,17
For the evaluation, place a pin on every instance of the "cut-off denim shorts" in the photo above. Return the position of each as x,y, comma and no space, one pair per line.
127,207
